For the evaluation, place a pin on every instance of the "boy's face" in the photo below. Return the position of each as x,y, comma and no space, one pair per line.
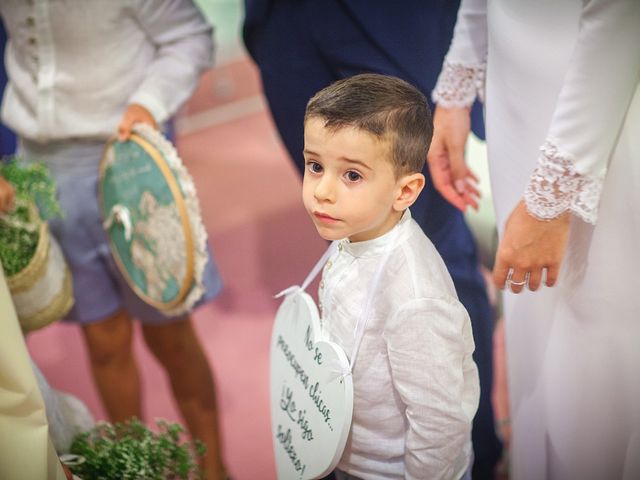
349,186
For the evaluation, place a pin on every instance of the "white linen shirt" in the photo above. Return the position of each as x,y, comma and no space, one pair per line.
416,387
74,65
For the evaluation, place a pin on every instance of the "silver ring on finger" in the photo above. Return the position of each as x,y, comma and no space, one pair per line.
510,282
509,275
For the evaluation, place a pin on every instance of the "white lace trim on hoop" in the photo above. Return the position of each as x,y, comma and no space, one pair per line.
193,210
555,187
458,85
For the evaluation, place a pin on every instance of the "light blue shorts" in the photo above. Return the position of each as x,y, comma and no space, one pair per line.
100,289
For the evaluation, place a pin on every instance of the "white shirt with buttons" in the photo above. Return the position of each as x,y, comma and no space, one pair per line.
416,387
74,65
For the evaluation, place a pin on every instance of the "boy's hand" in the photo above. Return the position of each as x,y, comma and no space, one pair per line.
135,113
449,172
7,194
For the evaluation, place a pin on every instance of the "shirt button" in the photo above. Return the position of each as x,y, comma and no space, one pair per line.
328,265
339,247
32,41
322,284
31,21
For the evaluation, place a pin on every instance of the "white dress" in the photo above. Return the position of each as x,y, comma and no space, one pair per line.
563,75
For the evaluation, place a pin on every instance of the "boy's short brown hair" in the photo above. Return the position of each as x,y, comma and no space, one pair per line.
385,106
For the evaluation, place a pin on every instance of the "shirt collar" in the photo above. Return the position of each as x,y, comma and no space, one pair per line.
375,246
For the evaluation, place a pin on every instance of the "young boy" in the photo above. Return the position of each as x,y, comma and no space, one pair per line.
415,384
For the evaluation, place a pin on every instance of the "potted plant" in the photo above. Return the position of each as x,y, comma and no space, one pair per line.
133,451
37,274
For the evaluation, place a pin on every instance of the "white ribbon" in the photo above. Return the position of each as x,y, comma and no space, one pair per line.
120,214
287,291
367,309
339,372
312,274
71,459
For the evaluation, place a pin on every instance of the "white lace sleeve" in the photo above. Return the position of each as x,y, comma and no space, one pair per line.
599,85
556,187
458,85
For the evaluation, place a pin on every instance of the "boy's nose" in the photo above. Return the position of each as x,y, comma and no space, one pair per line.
325,189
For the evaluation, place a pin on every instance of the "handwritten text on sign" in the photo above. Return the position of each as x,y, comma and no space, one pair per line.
311,399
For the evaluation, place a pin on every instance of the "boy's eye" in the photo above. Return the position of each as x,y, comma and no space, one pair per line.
314,167
353,176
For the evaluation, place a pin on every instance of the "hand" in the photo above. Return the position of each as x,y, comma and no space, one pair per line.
449,172
135,113
67,471
528,246
7,195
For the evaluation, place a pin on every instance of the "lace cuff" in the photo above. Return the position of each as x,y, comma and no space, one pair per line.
458,85
555,187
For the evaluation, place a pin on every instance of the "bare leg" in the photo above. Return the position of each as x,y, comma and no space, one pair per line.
177,348
113,365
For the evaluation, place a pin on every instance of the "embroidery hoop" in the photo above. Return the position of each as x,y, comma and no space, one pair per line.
183,192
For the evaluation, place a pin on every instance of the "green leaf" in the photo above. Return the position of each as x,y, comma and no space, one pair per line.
132,451
33,184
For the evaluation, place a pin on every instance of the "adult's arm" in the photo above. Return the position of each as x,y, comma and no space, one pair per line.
183,39
599,84
459,83
601,79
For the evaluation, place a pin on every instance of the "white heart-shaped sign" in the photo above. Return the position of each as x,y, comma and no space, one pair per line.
311,393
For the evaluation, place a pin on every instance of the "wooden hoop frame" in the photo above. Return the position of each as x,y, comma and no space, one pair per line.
186,226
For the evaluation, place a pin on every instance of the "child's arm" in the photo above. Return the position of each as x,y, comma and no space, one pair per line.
7,193
184,50
134,114
429,344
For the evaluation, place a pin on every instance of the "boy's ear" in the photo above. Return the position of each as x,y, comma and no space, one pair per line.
409,187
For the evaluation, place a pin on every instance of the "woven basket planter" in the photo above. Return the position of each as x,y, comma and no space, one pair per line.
42,292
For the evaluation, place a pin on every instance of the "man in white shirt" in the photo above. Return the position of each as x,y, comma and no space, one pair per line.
79,71
415,383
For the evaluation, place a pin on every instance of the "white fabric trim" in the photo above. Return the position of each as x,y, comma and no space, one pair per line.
458,85
193,209
556,187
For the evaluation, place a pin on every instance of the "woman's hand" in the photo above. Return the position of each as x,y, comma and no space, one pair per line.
529,246
7,195
449,172
135,113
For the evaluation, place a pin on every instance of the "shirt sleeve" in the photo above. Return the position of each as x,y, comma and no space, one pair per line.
462,77
184,44
430,347
599,84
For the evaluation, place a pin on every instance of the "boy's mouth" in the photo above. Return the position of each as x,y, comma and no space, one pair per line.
325,218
